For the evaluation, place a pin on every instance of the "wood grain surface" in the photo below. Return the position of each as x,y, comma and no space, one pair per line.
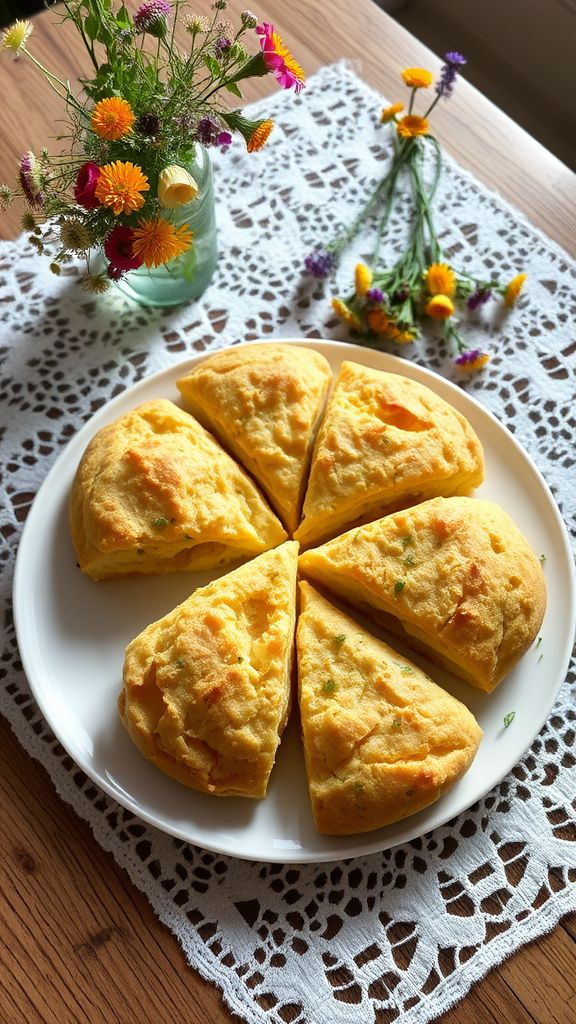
80,944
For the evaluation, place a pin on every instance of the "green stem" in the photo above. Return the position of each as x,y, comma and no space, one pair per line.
51,79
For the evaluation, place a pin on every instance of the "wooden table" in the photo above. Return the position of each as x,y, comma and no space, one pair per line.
81,944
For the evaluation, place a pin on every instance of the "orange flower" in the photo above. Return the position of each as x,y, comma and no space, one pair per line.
112,118
417,78
440,307
389,113
379,322
156,241
120,186
412,125
259,136
440,279
513,289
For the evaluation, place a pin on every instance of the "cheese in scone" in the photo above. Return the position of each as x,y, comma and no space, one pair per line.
454,575
386,442
264,402
381,740
155,493
207,688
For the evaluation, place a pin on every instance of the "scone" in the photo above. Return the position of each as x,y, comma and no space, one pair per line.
264,402
207,688
454,575
381,740
386,442
155,493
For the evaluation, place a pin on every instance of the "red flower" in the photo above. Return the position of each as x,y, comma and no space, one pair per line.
118,249
85,186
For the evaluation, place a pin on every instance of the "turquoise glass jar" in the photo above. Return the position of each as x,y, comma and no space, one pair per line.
186,278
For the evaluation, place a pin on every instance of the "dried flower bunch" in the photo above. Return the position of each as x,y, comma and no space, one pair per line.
389,303
131,132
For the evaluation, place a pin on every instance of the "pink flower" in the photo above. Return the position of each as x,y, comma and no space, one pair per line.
118,249
85,186
278,58
30,179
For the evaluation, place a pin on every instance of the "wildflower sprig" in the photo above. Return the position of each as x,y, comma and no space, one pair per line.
391,302
121,182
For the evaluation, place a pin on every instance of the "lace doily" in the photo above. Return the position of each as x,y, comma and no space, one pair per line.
404,933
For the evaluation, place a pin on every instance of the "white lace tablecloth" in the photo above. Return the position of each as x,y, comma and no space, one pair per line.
403,933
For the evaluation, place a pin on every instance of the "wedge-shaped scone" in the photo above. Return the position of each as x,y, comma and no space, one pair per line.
381,740
264,403
386,442
454,575
155,493
207,688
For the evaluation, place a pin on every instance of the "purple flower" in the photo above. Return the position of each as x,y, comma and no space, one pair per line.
151,17
478,297
448,73
148,124
375,295
207,131
470,356
224,139
473,359
319,263
455,58
222,46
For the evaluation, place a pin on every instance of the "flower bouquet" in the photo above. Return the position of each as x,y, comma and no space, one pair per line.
133,187
388,303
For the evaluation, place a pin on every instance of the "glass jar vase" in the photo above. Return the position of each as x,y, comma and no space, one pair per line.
187,277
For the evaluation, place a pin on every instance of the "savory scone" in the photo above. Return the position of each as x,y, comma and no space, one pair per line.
264,402
155,493
455,576
386,442
381,740
207,688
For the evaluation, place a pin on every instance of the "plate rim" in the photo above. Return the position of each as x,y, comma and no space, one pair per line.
106,413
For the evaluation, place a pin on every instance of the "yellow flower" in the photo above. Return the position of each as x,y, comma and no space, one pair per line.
346,314
176,187
96,284
404,337
412,125
120,186
156,241
259,136
440,307
112,118
417,78
390,112
513,289
440,279
14,38
363,278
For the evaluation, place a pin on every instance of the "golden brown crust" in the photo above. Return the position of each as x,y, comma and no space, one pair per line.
264,403
155,493
381,740
455,573
207,688
386,442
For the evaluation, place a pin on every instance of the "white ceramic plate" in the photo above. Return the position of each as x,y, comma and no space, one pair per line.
72,633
